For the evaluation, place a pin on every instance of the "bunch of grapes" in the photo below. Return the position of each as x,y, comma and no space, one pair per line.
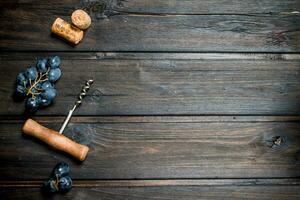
37,83
59,180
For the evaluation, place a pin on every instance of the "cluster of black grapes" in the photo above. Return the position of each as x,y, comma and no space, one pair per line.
37,83
59,180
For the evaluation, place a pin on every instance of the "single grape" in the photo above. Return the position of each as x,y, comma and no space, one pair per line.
43,102
41,65
31,104
45,85
49,94
54,74
65,184
50,186
31,73
21,79
38,99
54,62
20,91
60,170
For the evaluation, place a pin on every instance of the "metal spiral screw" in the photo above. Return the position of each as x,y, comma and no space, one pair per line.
84,90
82,94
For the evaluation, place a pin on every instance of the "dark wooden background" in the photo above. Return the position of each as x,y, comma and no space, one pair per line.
192,99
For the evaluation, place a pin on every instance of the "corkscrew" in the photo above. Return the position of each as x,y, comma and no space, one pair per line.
82,94
56,139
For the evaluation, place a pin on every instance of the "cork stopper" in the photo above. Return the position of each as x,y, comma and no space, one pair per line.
81,19
67,31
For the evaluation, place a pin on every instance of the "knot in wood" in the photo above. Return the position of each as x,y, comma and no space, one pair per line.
277,140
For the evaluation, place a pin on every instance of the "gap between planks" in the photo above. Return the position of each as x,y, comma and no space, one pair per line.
29,55
164,182
153,119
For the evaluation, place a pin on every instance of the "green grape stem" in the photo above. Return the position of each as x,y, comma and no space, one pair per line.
42,77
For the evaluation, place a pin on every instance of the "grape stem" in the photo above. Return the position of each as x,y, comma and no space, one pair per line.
42,77
56,182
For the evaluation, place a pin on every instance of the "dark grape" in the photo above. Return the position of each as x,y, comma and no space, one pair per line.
65,184
31,73
59,181
60,170
50,186
21,91
54,74
54,62
43,102
21,79
31,104
45,85
49,94
41,65
37,83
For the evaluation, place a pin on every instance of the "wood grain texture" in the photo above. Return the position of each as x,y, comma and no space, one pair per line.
162,182
166,192
149,119
163,84
31,56
115,31
192,100
209,7
153,149
180,7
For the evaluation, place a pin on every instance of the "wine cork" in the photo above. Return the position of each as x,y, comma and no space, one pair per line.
67,31
81,19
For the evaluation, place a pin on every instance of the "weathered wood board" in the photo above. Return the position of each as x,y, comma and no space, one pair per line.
274,28
150,148
134,84
263,192
192,99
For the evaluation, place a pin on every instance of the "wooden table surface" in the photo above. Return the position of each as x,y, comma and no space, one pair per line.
192,99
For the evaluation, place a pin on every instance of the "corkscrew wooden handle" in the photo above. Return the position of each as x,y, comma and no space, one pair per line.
55,139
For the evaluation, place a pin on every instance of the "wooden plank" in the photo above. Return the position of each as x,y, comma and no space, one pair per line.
170,7
148,32
28,56
151,150
162,182
179,7
176,84
166,192
153,119
207,7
